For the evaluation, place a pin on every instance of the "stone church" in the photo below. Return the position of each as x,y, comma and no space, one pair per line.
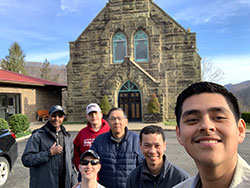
131,50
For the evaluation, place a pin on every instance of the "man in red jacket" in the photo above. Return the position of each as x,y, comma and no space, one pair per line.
95,126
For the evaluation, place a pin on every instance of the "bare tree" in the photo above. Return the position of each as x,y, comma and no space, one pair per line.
46,70
209,72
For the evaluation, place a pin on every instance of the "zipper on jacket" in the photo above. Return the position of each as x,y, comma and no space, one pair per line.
57,139
154,184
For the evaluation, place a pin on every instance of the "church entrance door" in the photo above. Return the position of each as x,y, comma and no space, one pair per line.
129,99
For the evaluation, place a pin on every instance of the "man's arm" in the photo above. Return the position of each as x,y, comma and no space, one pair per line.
32,156
77,153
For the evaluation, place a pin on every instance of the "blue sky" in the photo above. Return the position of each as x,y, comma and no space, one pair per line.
44,28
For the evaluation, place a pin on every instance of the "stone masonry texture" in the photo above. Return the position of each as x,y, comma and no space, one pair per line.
173,59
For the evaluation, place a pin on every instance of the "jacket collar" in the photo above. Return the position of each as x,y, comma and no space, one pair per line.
50,128
124,138
145,173
103,124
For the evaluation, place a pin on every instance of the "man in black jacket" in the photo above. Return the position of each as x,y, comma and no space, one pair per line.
48,154
156,170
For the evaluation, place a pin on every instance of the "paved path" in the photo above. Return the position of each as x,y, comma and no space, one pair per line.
131,126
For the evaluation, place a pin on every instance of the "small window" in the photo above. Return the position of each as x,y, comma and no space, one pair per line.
141,46
129,87
119,47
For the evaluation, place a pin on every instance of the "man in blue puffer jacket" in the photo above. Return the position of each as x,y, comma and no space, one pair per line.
118,149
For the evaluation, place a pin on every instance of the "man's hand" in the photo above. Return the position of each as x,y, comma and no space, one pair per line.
55,149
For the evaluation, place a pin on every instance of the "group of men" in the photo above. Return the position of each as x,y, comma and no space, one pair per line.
107,154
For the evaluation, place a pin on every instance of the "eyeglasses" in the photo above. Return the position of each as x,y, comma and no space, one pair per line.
119,118
86,162
59,115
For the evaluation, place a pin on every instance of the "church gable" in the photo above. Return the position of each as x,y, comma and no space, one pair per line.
160,56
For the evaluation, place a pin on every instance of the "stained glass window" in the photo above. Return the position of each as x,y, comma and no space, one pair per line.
141,46
119,47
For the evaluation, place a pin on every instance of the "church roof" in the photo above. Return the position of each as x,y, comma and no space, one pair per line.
9,77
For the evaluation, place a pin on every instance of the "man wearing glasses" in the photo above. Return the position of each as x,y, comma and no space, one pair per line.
89,167
118,149
48,154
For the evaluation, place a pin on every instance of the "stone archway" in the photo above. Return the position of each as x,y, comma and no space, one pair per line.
129,99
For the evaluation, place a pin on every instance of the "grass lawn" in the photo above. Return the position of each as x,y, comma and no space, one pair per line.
248,125
170,123
21,134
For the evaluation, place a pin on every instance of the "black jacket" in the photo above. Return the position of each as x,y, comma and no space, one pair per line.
44,168
142,178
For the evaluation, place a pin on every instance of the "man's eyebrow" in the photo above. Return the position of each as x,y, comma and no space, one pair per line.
213,109
218,109
189,112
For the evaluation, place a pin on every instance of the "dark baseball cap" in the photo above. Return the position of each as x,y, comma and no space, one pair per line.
56,108
90,153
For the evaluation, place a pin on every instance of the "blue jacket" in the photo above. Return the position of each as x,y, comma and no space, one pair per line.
117,159
170,175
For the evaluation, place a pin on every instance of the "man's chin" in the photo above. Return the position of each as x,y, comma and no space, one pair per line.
55,124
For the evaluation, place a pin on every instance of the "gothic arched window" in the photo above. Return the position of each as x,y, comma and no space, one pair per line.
119,47
141,46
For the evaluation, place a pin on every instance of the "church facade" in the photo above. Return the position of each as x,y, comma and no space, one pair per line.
131,50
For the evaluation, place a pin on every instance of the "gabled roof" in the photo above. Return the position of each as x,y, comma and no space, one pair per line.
9,77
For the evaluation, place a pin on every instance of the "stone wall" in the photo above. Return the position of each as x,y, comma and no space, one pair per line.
173,61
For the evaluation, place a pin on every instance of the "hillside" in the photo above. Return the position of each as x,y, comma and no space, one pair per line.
58,72
242,92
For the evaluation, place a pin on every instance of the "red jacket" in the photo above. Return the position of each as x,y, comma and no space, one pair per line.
85,138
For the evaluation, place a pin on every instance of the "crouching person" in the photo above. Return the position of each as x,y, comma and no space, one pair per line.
89,167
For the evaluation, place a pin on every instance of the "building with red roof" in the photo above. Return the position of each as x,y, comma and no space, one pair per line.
26,94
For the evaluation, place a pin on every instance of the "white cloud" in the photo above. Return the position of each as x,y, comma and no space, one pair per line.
4,4
168,3
54,56
213,11
70,5
78,5
223,30
21,35
236,68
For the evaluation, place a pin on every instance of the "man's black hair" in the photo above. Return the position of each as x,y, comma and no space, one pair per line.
152,129
114,109
206,87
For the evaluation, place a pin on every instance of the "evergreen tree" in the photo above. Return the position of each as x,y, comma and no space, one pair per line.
15,60
153,105
104,105
46,70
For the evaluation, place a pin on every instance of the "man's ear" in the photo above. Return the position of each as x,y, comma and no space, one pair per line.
99,167
178,134
241,130
140,144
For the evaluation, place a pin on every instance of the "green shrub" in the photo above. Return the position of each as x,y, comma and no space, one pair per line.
153,105
104,105
246,116
3,124
19,123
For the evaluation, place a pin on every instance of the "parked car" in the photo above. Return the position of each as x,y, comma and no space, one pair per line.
8,154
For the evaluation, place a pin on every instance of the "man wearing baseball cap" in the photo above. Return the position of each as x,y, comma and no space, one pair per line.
48,154
89,167
95,126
